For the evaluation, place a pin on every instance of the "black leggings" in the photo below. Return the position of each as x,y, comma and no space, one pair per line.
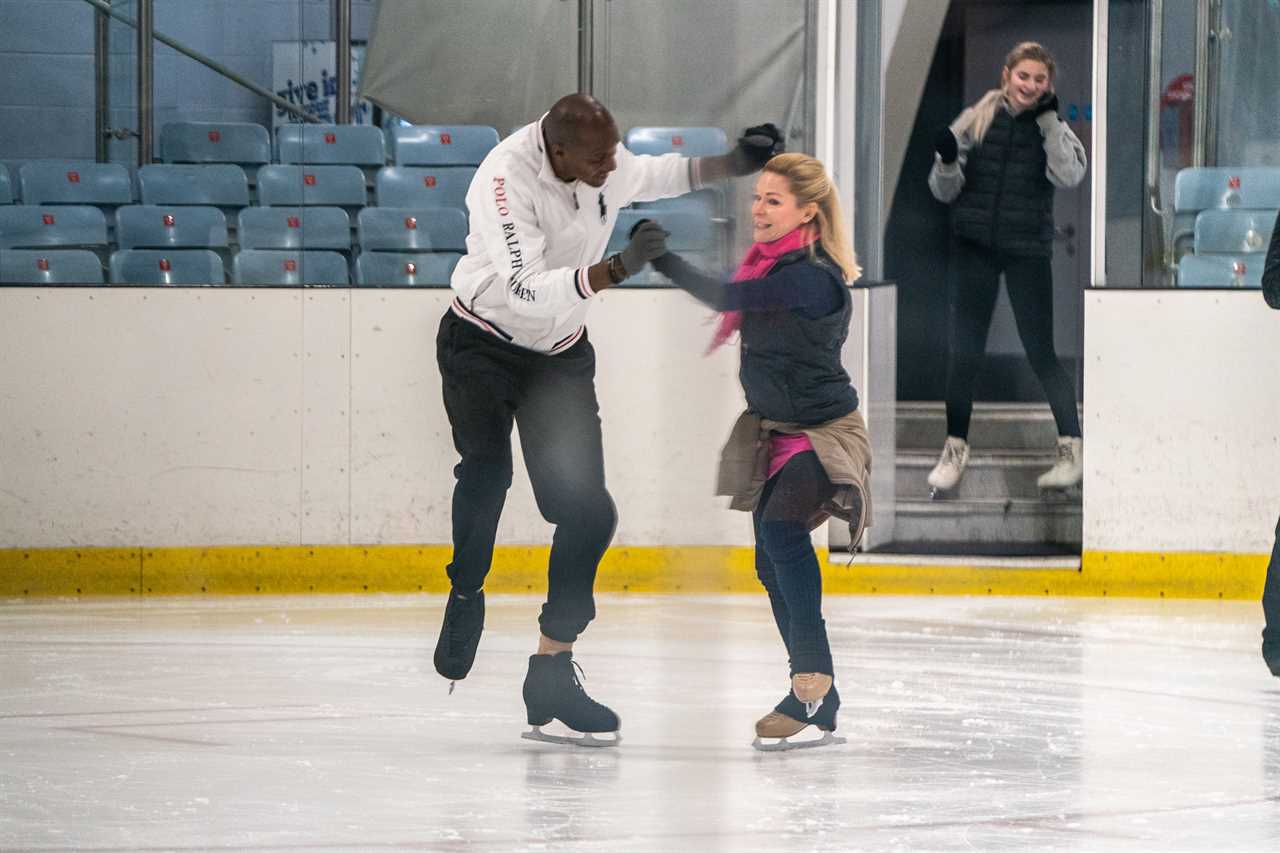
973,299
787,564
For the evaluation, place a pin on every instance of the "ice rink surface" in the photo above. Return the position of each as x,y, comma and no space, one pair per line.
318,723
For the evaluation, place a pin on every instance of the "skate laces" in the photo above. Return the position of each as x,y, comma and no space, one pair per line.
951,453
460,620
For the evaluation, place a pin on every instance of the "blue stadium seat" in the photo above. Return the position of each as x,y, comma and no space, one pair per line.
693,235
28,226
245,143
293,186
400,229
1231,231
1224,270
410,186
261,266
1226,187
221,185
1221,187
401,269
164,266
333,144
294,228
60,182
442,144
690,228
60,266
147,226
6,186
689,141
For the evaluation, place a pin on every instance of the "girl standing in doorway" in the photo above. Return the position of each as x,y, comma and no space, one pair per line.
997,166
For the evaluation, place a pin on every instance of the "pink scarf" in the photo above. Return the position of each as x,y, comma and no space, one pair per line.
759,260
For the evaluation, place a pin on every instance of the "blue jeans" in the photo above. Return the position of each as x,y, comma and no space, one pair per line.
786,563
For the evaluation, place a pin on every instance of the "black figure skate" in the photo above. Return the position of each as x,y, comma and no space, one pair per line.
552,691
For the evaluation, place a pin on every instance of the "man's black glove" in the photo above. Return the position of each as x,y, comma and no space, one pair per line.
755,147
945,144
1048,103
648,241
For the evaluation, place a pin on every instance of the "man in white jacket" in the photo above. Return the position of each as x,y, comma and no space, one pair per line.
513,348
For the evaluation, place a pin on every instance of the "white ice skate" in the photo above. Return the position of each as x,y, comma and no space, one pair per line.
1068,470
777,731
784,744
946,475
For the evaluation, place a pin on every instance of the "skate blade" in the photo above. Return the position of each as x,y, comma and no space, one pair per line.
596,739
786,744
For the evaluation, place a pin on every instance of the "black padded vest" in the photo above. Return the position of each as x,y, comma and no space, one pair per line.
791,369
1007,201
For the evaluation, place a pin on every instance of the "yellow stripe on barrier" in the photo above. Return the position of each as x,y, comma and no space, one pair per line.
236,570
1130,574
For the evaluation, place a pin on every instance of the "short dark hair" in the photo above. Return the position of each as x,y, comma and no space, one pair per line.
572,114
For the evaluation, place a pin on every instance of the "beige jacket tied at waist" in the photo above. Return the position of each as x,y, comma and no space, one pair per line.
842,447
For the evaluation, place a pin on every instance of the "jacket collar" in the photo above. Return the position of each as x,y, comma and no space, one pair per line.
545,172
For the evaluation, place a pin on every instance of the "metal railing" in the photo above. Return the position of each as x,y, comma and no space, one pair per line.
1156,218
148,35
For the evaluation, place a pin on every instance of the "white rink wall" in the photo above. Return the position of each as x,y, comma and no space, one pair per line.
220,416
1182,421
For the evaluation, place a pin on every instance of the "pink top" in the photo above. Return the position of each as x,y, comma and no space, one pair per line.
783,446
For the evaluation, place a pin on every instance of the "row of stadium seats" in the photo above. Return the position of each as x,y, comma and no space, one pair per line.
226,185
246,143
418,229
1223,219
191,245
239,144
144,226
409,145
42,233
207,267
212,207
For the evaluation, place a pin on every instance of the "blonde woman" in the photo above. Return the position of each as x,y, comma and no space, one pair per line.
800,452
998,165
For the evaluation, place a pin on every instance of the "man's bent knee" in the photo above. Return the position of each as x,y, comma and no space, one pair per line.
493,472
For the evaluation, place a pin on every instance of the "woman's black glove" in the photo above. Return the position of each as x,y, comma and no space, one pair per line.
648,241
1048,103
945,144
755,147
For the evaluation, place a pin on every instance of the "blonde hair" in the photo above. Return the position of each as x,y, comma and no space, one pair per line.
809,182
981,114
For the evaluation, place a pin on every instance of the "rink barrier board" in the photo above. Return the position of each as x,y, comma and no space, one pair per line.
248,570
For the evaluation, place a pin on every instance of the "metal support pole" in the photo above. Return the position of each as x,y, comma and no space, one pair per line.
216,67
1205,36
146,81
1157,254
586,45
342,35
102,85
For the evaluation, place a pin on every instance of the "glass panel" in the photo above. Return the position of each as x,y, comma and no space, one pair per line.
1217,196
1129,219
1248,79
708,65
